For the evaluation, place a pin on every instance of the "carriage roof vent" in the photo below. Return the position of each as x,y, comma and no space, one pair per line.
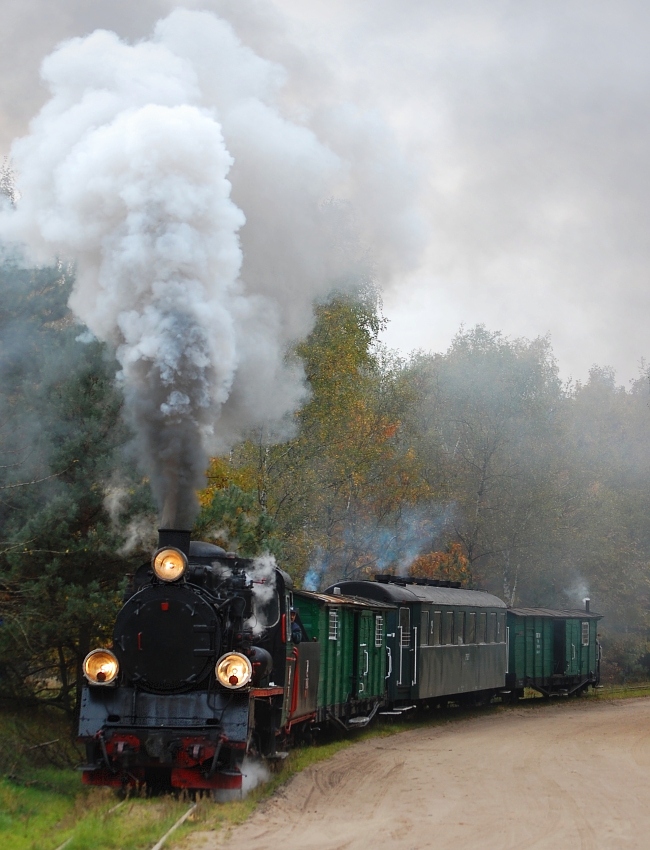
389,578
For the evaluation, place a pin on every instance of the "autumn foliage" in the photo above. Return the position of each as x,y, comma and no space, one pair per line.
450,565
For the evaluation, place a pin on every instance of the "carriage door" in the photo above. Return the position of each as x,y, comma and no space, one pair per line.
404,634
366,636
559,647
573,647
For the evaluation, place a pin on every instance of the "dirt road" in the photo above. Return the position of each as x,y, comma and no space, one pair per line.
559,776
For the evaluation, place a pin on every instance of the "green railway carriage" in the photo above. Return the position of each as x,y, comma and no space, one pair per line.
351,634
553,652
441,641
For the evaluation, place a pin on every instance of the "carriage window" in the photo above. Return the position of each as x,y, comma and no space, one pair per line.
481,636
459,627
379,630
471,628
424,628
436,627
405,626
492,628
334,625
585,634
448,632
501,628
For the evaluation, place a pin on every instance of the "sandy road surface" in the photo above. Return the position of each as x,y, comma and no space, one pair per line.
573,775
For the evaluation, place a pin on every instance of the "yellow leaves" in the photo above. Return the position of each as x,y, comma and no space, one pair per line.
221,473
450,565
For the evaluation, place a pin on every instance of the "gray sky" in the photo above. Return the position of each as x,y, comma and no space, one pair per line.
525,124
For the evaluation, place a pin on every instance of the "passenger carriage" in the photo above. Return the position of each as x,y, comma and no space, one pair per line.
442,642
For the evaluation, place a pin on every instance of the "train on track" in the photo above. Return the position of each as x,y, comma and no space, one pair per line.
214,658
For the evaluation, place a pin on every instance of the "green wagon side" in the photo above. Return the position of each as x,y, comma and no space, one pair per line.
553,652
352,636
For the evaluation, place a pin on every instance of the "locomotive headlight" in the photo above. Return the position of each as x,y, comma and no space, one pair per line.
100,667
169,564
233,670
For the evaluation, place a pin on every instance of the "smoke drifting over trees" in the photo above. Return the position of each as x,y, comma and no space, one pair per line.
203,228
527,123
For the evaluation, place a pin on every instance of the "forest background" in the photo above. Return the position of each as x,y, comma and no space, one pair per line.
478,464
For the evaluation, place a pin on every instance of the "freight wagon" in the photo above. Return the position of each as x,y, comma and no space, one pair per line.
557,653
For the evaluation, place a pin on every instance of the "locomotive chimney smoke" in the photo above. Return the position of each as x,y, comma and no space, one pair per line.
170,504
196,214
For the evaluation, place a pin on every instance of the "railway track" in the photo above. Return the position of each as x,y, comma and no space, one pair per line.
159,844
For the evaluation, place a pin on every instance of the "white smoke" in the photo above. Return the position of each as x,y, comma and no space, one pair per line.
254,773
138,533
578,592
262,577
153,165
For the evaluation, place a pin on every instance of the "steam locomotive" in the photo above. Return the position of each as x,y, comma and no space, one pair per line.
207,666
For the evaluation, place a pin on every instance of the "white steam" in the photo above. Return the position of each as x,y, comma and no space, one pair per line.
578,592
138,533
254,773
203,227
262,577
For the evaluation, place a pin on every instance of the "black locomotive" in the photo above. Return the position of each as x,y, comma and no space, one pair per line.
173,703
207,665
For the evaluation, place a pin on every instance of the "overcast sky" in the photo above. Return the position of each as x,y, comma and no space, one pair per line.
525,124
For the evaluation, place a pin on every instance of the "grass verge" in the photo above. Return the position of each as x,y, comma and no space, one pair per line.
641,689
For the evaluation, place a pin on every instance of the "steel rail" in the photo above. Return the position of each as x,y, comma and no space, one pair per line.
109,812
180,821
156,846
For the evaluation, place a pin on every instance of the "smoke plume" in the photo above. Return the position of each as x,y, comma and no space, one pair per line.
202,225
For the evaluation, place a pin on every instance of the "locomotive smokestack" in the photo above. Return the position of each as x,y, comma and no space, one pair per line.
176,538
587,601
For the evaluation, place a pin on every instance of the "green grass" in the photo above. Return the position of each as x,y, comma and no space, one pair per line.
33,818
42,803
640,689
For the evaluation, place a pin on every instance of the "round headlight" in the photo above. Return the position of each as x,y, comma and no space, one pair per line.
233,670
169,564
100,667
